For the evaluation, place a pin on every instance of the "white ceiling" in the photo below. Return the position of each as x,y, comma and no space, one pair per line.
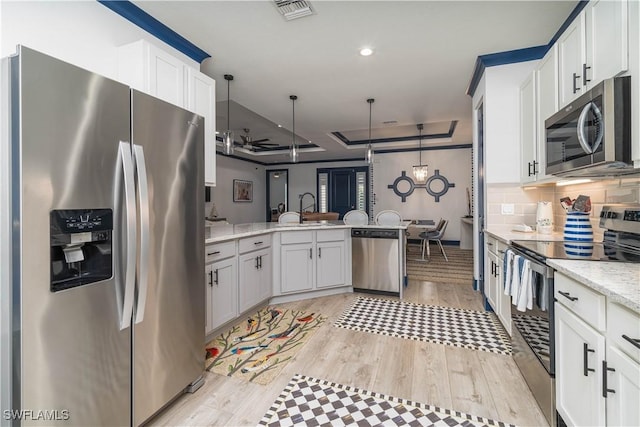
424,55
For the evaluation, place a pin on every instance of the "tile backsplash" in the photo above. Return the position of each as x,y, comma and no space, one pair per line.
623,190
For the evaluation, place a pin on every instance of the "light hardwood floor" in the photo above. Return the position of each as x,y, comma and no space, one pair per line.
480,383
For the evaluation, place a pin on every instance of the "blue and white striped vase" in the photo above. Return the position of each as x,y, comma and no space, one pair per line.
578,227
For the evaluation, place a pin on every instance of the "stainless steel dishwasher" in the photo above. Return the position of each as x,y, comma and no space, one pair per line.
376,260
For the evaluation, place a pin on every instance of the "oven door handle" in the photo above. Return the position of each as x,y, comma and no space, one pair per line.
582,137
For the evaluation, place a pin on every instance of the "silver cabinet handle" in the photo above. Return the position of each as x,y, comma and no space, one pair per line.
215,278
143,202
125,177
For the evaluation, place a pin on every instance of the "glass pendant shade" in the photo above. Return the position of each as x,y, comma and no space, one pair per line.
227,143
421,172
293,151
369,155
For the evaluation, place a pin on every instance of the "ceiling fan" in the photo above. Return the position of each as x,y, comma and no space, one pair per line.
249,144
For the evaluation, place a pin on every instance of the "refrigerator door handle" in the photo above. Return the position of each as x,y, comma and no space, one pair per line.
143,203
126,292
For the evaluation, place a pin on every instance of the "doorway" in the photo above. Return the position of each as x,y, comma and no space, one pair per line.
277,194
343,189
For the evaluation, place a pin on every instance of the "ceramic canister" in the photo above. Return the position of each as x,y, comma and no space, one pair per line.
544,217
577,228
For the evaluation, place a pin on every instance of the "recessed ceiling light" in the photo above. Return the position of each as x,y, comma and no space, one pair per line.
217,133
366,51
279,126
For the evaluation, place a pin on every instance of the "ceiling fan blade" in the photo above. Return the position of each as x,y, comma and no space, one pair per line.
261,140
266,145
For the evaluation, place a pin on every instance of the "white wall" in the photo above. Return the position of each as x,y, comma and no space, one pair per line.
228,169
84,33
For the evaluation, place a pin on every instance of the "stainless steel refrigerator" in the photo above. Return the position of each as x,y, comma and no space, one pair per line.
106,236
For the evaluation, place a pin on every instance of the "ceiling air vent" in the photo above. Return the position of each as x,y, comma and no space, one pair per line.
293,9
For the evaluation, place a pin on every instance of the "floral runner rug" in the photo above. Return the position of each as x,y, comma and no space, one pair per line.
308,401
258,347
476,330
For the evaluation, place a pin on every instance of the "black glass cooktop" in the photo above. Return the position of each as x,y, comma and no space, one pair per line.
593,251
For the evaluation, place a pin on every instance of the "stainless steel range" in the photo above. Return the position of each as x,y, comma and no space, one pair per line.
533,329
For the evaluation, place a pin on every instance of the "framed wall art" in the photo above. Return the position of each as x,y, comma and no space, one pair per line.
242,190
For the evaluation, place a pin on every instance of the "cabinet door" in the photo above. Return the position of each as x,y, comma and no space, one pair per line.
249,281
503,301
528,159
491,281
579,351
296,267
547,102
166,76
571,57
606,35
265,290
331,264
222,293
623,403
201,99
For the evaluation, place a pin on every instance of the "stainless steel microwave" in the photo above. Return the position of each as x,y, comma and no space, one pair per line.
592,135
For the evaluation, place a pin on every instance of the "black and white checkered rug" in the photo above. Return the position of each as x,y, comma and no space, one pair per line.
535,330
308,401
477,330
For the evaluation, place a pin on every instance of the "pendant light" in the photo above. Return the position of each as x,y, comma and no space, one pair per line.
293,152
421,171
369,155
227,137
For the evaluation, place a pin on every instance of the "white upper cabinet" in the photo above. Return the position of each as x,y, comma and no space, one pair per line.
593,48
546,103
528,141
572,56
149,69
607,40
201,99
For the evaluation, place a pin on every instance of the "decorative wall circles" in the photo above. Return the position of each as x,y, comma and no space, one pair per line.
427,186
399,193
445,182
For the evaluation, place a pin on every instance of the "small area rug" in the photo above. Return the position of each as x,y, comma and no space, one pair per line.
257,348
307,401
457,271
476,330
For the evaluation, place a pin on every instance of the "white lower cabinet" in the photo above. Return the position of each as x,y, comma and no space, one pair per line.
623,385
254,282
330,264
494,281
296,267
221,293
579,350
597,357
313,260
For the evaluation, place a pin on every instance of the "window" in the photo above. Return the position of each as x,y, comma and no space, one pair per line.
323,192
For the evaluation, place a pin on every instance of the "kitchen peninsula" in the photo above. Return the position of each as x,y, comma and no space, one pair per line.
247,265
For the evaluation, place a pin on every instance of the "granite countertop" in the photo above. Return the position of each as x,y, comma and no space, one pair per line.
618,281
220,233
507,235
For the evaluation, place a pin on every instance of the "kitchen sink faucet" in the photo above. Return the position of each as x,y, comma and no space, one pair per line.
314,203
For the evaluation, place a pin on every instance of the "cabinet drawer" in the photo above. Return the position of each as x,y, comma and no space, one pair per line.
584,302
622,321
252,243
291,237
329,235
219,251
492,244
501,247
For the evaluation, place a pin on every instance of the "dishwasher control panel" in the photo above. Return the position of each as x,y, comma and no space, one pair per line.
374,233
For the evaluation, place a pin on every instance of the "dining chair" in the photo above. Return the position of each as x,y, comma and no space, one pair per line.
356,217
435,235
289,217
388,217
